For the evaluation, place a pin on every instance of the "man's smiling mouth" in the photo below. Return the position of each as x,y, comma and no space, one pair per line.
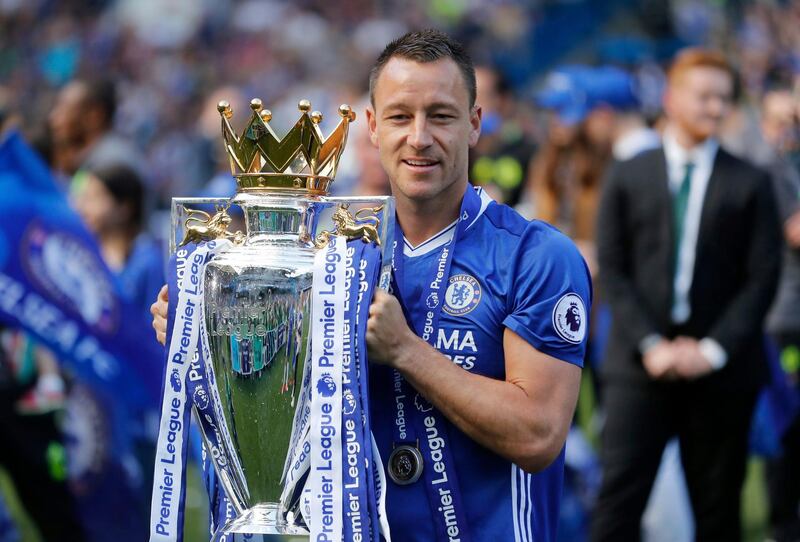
420,162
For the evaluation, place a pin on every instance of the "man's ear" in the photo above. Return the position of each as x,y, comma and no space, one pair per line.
475,123
371,125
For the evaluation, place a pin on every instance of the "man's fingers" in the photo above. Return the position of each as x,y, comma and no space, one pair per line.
660,370
160,325
379,303
159,308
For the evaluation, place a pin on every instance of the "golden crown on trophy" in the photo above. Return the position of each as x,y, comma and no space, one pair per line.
304,161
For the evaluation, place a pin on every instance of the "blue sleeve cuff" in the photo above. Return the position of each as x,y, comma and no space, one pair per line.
571,353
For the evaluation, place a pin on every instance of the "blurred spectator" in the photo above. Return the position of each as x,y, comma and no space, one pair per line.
360,172
7,119
81,126
779,126
565,181
618,93
35,457
372,179
110,199
568,168
500,160
688,245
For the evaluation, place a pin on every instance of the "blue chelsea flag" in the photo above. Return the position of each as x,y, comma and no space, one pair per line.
55,285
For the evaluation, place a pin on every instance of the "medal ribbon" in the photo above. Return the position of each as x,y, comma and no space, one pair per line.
372,473
426,424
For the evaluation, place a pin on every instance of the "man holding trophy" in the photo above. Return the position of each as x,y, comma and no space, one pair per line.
475,359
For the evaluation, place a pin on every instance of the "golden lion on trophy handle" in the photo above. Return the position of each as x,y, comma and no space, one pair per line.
200,226
363,226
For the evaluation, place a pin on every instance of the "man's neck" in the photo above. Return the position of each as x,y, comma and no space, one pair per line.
683,138
626,125
115,247
422,220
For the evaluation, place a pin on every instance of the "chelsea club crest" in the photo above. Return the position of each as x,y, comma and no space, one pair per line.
463,294
64,266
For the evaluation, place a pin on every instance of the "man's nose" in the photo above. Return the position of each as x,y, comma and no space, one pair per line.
420,137
718,106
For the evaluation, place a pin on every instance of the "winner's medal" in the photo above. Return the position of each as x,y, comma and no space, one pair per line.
405,465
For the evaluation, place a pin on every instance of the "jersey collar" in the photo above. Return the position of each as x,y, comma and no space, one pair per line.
445,235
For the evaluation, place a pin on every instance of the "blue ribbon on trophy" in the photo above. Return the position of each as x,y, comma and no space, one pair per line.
169,492
200,388
367,275
356,496
341,447
55,285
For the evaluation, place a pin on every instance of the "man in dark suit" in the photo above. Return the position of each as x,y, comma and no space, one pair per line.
689,250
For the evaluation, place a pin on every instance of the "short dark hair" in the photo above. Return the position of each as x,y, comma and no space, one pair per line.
101,93
426,46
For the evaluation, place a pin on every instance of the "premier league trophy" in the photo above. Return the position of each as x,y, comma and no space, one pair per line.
250,383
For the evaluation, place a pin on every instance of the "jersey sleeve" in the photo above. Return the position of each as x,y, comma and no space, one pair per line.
551,294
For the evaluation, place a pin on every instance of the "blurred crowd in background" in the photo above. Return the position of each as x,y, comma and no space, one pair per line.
119,98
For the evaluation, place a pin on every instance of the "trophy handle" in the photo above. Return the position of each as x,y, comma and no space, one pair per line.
372,212
208,228
361,226
189,223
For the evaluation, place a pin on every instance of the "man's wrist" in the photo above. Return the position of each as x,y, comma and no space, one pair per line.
713,352
405,353
649,342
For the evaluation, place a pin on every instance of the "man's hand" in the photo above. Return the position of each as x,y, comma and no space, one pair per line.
159,312
691,363
387,331
659,361
791,230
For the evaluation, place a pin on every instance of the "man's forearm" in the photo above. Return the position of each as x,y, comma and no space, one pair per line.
497,414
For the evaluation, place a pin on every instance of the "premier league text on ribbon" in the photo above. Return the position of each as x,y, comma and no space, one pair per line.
175,427
349,380
432,300
166,507
436,445
326,476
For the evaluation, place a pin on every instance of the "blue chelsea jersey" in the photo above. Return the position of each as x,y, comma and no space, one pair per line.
510,273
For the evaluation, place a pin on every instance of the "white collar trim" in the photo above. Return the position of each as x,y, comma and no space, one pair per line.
446,235
437,240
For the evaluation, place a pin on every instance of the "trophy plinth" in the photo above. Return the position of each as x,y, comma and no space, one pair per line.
262,523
